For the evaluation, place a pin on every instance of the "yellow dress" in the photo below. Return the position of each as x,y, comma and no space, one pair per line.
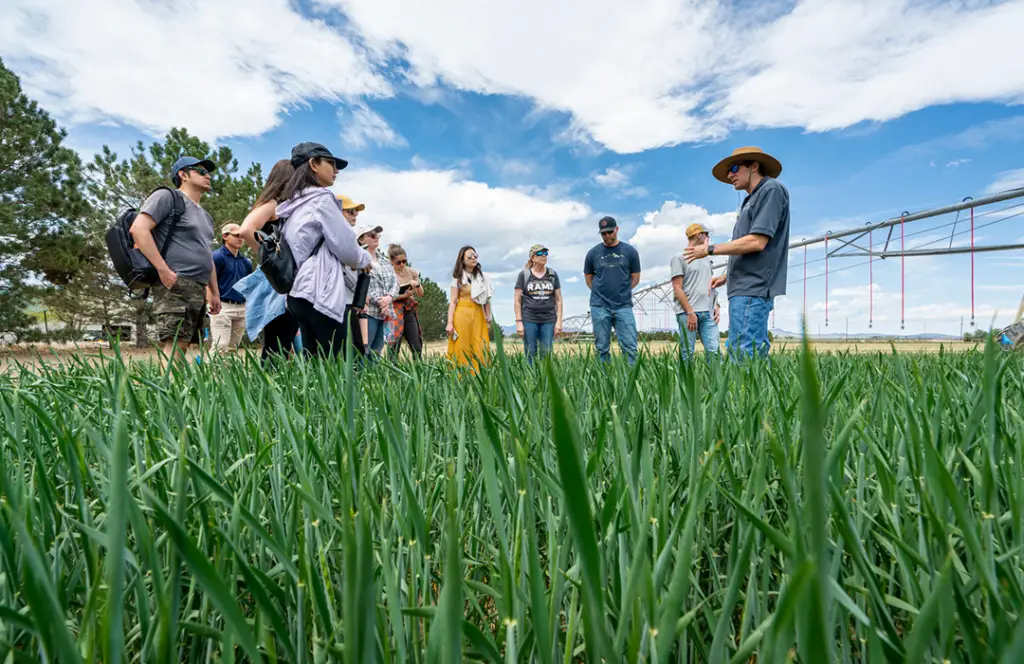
473,345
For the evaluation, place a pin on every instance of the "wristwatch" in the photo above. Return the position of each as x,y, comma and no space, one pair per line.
711,249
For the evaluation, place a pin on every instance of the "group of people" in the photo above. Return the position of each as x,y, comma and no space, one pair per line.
348,290
758,255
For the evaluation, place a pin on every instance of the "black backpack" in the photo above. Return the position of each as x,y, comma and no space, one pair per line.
135,269
276,260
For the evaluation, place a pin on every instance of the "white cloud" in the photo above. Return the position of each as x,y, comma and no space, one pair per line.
668,72
612,179
1007,180
663,234
432,213
226,68
957,162
361,126
619,180
831,63
672,72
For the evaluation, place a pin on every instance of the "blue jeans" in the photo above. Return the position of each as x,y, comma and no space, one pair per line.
538,334
375,334
748,326
625,328
707,328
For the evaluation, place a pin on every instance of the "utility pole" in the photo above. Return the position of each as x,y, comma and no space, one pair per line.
961,327
847,328
46,324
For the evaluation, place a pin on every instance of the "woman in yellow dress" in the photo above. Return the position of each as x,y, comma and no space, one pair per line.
469,312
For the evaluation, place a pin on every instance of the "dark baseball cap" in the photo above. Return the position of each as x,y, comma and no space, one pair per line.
607,224
303,152
185,162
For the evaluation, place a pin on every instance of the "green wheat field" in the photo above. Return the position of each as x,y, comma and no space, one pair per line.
820,508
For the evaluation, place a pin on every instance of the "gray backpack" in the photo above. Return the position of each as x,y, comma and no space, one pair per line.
526,275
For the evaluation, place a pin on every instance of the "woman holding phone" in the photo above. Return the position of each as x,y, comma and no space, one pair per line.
405,324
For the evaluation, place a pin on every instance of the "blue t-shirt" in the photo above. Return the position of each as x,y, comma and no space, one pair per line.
612,287
229,270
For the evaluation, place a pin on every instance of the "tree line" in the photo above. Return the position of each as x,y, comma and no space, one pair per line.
55,210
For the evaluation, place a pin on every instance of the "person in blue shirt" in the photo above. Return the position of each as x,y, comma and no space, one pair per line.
226,328
612,270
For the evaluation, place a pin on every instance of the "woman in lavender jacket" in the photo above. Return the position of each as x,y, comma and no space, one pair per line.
321,241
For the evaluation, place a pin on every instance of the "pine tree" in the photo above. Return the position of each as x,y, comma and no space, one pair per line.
41,203
433,311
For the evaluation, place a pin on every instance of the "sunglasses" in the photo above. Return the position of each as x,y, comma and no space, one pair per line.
400,261
735,168
234,234
371,234
607,232
471,257
541,253
198,169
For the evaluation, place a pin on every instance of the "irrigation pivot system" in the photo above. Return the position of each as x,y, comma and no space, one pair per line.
652,304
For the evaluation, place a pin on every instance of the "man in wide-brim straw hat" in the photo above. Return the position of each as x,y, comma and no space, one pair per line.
759,250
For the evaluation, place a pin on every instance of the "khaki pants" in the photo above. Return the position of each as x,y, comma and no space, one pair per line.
226,328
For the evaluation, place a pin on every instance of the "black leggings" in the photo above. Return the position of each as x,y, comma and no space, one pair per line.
322,336
279,337
411,333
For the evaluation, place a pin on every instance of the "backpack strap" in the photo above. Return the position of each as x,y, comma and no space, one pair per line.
528,271
175,215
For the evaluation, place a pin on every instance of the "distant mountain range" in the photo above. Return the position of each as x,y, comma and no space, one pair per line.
864,335
510,330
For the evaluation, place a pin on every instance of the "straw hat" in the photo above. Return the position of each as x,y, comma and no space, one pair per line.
770,166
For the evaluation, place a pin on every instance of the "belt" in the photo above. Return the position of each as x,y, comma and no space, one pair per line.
232,301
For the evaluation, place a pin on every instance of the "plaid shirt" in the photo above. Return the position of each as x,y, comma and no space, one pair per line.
382,282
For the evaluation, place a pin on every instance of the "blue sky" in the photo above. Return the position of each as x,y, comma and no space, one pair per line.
500,124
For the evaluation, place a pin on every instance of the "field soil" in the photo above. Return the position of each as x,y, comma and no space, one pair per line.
35,354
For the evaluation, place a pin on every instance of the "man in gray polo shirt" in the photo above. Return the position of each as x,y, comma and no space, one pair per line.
759,250
694,300
188,280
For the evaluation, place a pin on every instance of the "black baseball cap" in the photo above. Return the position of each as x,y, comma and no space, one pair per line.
607,224
303,152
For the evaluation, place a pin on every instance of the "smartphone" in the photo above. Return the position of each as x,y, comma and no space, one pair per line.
455,335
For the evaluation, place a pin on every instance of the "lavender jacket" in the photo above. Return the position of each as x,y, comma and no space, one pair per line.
314,213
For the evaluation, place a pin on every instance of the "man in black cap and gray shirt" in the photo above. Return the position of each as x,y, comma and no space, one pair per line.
188,280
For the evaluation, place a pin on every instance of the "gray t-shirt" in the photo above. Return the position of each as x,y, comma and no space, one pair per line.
764,212
539,296
189,252
696,282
